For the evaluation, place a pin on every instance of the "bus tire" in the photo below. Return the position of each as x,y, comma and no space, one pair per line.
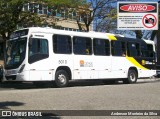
132,77
61,78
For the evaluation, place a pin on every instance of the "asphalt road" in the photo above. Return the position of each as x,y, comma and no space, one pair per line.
83,95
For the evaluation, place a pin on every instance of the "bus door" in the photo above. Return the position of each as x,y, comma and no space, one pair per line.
119,61
38,59
102,58
83,62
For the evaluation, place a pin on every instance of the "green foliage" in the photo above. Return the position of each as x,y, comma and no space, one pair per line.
100,11
65,3
12,14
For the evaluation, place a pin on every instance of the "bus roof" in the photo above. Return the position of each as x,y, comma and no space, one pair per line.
93,34
57,31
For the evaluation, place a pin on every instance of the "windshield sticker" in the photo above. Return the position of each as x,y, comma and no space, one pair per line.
17,58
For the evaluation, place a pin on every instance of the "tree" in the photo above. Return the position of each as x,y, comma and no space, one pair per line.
12,15
139,34
108,22
65,3
70,6
88,12
104,14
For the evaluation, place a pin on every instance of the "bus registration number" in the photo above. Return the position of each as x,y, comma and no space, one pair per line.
62,61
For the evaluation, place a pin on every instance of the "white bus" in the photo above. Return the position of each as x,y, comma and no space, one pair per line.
46,54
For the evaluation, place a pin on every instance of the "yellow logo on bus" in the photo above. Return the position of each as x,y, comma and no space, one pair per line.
143,62
111,37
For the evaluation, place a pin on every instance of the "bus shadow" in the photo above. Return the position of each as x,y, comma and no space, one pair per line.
7,111
22,85
148,81
41,85
96,82
108,82
75,83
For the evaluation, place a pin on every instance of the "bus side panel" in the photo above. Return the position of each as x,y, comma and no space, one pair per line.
143,70
24,76
83,67
146,73
92,67
120,67
102,66
41,70
60,62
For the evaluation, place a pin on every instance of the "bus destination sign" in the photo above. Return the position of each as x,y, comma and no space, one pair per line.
19,33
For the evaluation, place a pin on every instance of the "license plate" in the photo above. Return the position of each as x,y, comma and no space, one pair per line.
10,79
10,72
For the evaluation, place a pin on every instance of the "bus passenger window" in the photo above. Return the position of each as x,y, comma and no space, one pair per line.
38,49
133,49
82,45
101,47
118,48
62,44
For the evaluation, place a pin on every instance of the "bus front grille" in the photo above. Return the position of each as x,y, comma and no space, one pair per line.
13,77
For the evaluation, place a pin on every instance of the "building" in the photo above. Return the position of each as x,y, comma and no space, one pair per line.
59,18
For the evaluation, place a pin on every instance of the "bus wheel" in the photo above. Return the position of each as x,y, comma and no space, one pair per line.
132,77
61,78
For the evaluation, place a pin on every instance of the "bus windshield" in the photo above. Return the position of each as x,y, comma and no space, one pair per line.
15,52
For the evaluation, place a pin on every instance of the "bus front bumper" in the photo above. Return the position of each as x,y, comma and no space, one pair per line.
16,77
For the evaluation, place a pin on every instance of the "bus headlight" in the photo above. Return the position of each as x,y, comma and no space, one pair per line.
21,69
